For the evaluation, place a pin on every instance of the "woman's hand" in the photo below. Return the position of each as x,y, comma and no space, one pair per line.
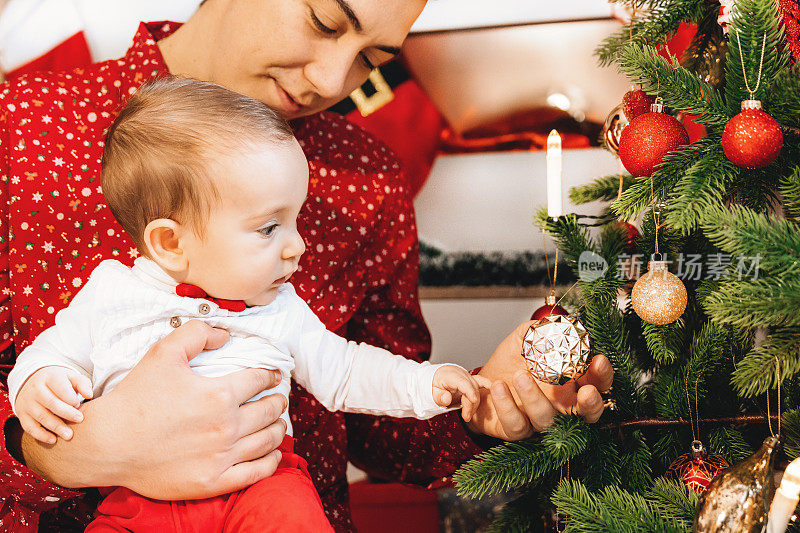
168,433
516,405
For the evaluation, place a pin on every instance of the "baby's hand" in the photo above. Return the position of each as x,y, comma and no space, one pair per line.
49,398
453,385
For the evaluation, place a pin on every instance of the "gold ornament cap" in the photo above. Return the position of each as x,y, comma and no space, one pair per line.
751,104
550,299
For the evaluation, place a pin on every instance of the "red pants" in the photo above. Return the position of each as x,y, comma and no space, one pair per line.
286,501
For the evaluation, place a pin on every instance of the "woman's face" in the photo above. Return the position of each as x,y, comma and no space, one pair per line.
302,56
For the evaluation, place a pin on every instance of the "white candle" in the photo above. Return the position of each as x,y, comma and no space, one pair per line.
785,500
555,201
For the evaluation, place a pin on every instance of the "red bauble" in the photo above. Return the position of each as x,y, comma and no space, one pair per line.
550,307
636,102
647,139
752,139
697,468
630,233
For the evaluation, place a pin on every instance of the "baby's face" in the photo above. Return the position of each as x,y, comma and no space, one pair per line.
251,244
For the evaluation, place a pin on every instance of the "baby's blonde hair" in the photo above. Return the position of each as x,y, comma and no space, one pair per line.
159,152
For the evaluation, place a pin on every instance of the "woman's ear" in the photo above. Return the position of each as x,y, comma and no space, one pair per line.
162,237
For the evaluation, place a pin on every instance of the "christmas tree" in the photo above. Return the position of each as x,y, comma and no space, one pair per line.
728,203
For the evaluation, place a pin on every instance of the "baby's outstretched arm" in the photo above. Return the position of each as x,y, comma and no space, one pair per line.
48,399
453,385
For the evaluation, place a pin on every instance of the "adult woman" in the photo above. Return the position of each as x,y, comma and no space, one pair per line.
164,424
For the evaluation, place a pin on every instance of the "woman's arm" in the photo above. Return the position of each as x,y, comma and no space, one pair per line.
168,433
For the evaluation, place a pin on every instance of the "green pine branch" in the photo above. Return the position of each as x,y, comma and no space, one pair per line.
757,302
790,189
571,238
753,20
610,509
513,464
604,467
791,433
653,25
743,232
679,87
702,189
786,92
729,443
756,373
605,188
673,501
638,196
637,474
664,342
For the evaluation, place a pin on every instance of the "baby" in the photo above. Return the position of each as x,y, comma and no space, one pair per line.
209,184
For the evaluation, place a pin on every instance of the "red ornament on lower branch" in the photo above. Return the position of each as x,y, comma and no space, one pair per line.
752,139
697,468
630,234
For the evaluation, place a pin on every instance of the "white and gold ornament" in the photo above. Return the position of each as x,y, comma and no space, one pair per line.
556,349
659,297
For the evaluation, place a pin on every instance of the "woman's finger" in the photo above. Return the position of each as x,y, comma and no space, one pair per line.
259,444
260,414
513,421
600,374
242,475
589,403
534,402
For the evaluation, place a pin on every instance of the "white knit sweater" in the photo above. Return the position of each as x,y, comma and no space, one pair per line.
121,312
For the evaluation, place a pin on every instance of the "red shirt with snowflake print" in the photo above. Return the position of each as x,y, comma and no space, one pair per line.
359,274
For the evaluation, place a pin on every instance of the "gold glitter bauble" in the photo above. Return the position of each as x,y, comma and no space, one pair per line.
612,129
659,297
556,349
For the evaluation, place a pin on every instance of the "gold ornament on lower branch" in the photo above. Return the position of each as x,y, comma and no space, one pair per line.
737,500
659,297
556,349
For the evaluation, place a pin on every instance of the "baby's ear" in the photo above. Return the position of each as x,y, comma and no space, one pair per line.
162,237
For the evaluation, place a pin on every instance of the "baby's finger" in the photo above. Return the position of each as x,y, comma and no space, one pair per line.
51,422
61,386
82,385
443,398
483,382
35,430
59,407
468,387
467,408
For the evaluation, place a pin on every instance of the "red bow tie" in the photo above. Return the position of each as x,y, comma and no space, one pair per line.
193,291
